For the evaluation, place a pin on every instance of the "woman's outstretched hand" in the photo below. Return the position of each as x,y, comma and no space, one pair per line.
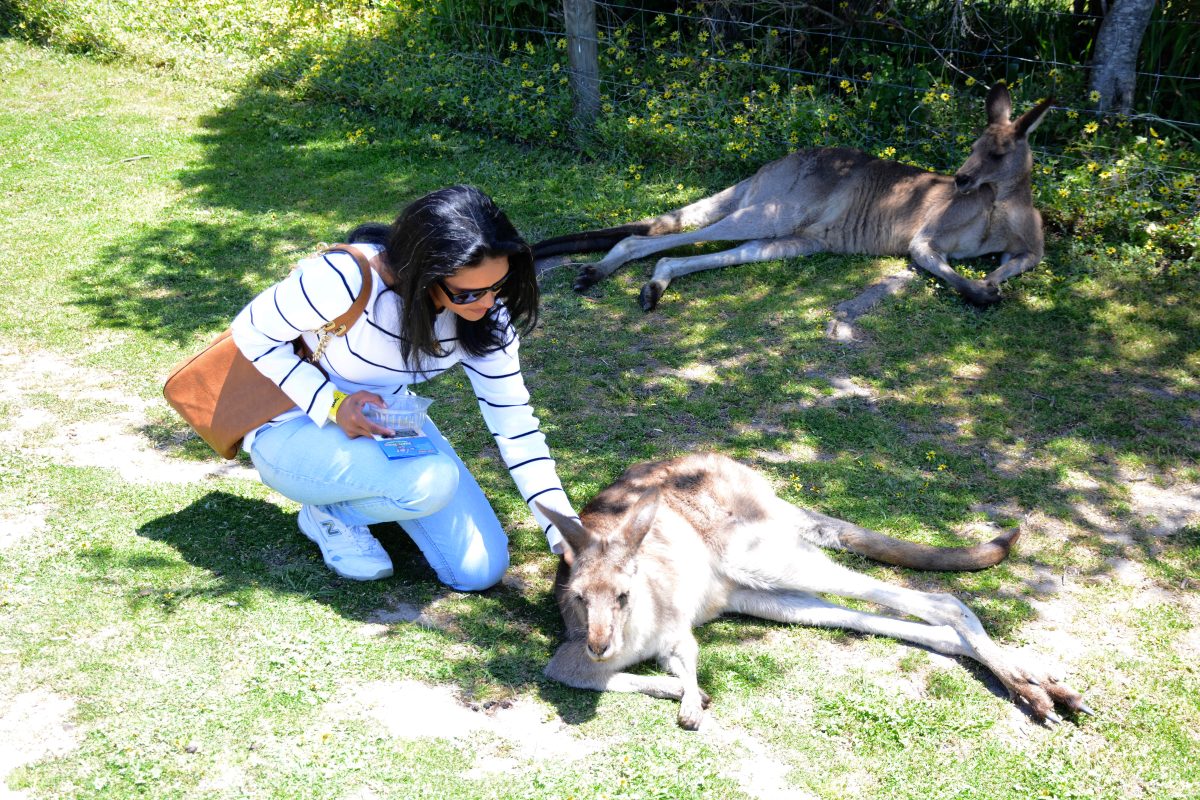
353,422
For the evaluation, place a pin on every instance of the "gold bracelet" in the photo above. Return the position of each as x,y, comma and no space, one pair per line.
338,397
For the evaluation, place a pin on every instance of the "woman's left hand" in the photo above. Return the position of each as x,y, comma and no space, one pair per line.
353,422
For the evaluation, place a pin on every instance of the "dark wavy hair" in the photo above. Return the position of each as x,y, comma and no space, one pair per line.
436,236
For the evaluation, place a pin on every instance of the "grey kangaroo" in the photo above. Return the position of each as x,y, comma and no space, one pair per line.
845,201
674,544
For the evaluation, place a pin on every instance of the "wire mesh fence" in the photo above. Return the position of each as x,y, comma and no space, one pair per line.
724,86
912,58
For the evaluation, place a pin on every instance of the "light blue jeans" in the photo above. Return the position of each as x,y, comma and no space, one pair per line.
434,498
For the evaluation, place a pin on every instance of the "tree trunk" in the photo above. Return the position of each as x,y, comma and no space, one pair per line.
1114,61
583,59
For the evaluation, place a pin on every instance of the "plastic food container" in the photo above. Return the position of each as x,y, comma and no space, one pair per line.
405,414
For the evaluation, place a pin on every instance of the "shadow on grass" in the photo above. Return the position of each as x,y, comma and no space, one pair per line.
246,544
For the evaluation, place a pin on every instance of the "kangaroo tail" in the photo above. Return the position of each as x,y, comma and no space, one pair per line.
841,535
588,241
878,547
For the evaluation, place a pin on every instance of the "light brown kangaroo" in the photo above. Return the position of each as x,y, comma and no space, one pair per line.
845,201
674,544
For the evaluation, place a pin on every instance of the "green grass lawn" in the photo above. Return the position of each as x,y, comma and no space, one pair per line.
166,632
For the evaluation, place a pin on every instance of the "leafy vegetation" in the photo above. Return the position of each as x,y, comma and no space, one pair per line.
709,93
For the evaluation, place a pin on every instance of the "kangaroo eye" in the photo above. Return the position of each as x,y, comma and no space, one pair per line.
622,599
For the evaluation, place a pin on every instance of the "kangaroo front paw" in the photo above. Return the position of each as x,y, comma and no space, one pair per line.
652,292
691,713
981,293
588,277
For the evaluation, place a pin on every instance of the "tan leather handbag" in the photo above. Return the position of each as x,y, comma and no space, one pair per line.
223,396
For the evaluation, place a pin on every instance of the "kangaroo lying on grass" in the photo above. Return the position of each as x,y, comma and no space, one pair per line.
845,201
674,544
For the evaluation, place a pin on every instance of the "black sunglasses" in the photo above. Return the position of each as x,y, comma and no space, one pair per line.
462,298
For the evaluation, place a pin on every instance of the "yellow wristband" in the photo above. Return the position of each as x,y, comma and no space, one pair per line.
338,397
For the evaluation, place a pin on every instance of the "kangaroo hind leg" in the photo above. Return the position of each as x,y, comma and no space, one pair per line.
661,229
757,250
766,560
1030,685
803,609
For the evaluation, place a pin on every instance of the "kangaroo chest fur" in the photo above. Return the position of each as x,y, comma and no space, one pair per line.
681,575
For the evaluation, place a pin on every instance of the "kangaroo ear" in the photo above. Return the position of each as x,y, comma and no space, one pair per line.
998,104
574,534
568,553
1033,117
641,518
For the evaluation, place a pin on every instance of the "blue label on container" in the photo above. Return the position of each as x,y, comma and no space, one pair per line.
406,446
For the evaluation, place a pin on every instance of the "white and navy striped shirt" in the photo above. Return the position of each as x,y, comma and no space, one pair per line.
368,357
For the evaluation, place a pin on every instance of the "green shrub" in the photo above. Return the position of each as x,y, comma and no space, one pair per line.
688,92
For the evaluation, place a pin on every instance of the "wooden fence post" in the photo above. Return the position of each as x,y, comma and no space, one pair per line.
1115,53
584,64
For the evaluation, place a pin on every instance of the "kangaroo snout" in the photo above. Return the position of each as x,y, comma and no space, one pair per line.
602,639
964,183
599,650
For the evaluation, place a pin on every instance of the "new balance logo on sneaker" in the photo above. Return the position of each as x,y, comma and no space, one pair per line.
349,550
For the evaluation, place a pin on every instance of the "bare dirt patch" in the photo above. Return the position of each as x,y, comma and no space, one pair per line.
502,734
380,621
759,771
114,441
35,725
16,524
1164,511
882,666
841,326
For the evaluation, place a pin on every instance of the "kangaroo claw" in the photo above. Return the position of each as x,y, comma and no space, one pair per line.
652,292
981,293
1083,708
587,278
691,714
1039,692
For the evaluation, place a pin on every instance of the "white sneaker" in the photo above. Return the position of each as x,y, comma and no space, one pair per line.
349,550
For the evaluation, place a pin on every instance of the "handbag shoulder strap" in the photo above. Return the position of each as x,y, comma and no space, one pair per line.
340,324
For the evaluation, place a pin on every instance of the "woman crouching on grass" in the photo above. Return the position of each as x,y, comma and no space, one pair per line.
452,283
